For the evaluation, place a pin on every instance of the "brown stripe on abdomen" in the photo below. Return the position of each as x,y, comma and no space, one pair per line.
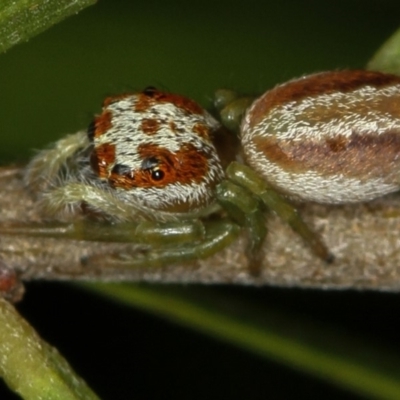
356,156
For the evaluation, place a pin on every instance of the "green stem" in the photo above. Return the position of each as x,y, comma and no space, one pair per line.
31,367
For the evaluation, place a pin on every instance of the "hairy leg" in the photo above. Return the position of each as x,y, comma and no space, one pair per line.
44,168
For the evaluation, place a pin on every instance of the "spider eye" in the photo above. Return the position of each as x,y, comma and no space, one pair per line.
149,91
121,169
157,174
151,165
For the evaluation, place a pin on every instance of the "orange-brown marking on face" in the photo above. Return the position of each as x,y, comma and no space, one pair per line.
358,156
102,123
148,98
186,166
114,99
317,84
202,130
143,102
101,158
173,127
150,126
181,102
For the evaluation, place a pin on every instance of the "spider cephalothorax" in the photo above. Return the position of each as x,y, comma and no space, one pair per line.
152,152
155,149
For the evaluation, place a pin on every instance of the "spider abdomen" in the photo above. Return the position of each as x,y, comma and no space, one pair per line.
331,137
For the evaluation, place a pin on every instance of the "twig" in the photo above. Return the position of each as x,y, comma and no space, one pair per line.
363,237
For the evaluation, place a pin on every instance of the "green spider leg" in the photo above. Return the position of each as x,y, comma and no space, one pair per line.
231,107
217,236
246,178
247,211
163,243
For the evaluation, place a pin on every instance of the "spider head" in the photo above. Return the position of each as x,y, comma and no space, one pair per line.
156,151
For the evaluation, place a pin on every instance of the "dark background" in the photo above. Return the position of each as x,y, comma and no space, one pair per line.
54,83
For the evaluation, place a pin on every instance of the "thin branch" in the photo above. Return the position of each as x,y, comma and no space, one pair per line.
364,239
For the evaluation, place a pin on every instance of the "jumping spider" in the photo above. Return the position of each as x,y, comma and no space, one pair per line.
151,166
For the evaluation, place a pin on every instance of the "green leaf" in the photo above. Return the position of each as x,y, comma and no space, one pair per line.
20,20
387,58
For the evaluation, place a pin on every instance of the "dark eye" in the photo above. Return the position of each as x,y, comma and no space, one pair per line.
157,174
150,163
121,169
149,91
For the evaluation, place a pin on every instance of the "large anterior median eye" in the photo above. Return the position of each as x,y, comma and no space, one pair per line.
157,174
151,164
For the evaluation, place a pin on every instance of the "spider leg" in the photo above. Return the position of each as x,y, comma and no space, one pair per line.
246,210
218,235
246,177
46,165
231,108
143,232
163,242
70,196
